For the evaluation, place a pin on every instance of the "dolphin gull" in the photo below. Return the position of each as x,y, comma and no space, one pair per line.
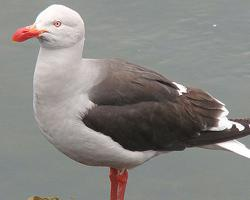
112,113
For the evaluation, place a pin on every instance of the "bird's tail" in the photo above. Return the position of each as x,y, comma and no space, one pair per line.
225,139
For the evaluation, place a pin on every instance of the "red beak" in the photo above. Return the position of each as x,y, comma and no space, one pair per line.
26,33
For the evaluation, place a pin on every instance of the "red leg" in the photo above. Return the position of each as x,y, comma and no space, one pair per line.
114,184
122,178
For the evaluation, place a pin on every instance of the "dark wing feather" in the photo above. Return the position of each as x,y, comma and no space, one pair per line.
142,110
126,83
139,127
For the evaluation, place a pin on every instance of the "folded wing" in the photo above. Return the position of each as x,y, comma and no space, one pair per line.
142,110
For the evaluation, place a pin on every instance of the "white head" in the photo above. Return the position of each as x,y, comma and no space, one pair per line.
56,27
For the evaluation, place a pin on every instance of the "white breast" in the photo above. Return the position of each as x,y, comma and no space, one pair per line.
63,127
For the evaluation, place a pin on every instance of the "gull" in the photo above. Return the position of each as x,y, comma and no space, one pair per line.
112,113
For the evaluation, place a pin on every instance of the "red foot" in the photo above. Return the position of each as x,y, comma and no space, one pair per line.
122,179
114,184
118,181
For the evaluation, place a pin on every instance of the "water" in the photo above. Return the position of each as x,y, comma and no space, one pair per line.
198,43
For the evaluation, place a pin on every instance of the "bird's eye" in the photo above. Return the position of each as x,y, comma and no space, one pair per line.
57,23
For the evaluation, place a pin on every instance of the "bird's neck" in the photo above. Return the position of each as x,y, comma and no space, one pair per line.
55,71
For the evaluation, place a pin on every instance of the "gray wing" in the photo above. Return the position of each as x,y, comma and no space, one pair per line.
142,110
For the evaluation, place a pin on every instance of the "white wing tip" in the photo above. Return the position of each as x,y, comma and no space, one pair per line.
235,147
225,123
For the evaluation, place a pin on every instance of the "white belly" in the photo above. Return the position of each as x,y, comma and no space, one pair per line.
62,126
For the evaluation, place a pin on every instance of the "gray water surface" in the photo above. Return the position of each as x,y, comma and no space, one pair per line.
204,44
